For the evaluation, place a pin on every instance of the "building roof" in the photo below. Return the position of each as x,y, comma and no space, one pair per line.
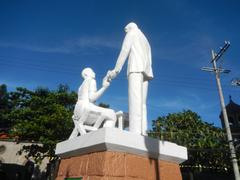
232,106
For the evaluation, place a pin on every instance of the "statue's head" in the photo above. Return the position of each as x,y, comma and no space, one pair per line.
130,27
88,72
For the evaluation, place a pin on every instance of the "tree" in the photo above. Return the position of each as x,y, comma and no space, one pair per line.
42,116
5,123
3,97
207,145
104,105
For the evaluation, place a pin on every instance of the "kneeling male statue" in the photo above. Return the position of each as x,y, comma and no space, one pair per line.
88,116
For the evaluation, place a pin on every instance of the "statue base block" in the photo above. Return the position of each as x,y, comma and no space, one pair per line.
112,154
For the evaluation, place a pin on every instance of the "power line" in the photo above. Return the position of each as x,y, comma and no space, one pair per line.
170,82
66,70
63,66
180,81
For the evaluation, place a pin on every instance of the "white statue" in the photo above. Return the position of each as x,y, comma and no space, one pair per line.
136,48
87,116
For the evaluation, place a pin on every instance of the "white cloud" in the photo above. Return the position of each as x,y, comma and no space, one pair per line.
187,100
192,48
173,104
93,42
34,47
69,46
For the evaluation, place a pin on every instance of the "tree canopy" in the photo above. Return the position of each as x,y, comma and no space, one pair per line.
5,123
207,144
41,116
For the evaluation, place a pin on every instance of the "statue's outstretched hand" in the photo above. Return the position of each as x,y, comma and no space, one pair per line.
106,82
112,74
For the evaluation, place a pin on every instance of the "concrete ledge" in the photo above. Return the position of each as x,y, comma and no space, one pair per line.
113,139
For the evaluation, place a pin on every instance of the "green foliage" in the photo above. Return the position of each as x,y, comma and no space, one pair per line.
42,116
3,97
207,145
5,108
104,105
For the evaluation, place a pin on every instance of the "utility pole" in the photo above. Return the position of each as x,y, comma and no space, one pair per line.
218,71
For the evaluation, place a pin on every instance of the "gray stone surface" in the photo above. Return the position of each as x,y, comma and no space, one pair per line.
113,139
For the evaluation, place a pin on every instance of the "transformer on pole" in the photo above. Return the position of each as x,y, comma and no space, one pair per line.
236,82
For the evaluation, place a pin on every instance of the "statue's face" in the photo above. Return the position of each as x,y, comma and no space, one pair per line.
92,74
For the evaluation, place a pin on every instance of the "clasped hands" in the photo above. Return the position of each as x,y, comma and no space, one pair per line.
108,78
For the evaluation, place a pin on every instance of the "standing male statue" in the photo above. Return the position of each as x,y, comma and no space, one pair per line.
136,48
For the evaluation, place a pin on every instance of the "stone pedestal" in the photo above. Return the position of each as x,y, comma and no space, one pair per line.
112,154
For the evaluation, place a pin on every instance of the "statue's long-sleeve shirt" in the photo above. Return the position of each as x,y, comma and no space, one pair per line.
136,48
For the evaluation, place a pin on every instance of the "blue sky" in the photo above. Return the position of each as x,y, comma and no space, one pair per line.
44,43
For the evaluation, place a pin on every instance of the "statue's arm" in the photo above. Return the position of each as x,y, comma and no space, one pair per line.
93,93
126,46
